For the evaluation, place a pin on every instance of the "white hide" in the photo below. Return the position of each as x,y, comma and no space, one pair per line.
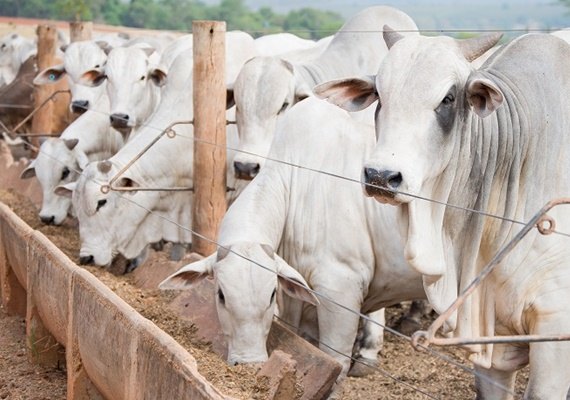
268,86
59,162
313,228
14,50
277,43
79,58
506,154
125,222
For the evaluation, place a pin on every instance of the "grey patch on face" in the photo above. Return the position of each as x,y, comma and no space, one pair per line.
447,110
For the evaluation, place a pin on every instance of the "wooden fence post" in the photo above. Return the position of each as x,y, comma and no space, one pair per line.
48,119
80,31
209,98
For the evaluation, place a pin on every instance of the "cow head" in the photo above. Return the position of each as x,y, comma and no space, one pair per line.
59,162
132,86
108,220
14,51
265,88
79,58
424,96
246,294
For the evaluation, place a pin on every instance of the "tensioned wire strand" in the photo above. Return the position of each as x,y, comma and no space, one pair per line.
358,313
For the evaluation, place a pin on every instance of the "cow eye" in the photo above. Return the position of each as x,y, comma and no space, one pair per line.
448,100
221,296
64,173
283,108
97,66
100,204
273,296
142,78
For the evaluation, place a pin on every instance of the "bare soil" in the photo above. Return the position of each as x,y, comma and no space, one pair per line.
19,378
403,374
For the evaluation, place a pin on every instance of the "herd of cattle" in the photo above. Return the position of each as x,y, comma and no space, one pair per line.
471,123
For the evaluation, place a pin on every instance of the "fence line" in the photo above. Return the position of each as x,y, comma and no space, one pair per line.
361,315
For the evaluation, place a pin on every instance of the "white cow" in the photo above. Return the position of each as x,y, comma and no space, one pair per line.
14,51
268,86
494,140
133,86
313,229
60,160
278,43
79,58
121,222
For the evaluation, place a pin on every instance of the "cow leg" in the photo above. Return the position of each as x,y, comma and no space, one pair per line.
549,373
177,251
485,388
411,321
337,326
368,344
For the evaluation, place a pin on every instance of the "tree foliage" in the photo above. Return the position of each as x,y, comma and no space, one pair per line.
177,15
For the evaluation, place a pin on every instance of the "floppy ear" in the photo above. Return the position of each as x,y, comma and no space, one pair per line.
190,274
158,76
29,172
483,95
351,94
93,78
65,190
292,283
50,75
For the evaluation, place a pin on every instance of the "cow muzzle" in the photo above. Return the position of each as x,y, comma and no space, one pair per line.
119,121
246,171
79,106
382,184
86,260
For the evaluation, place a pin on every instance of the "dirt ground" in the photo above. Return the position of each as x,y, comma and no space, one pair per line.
409,370
20,379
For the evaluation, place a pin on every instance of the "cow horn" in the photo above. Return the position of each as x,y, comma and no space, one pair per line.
473,48
70,143
391,36
104,166
222,253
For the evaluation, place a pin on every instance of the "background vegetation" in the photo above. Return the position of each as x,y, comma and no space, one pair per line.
178,15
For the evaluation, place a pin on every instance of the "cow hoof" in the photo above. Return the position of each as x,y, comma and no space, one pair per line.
363,367
158,246
177,252
407,326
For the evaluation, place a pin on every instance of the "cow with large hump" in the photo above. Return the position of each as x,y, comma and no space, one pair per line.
126,221
299,229
494,140
268,86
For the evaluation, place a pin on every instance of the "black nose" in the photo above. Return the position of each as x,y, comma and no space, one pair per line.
382,183
86,260
49,220
246,171
119,120
79,106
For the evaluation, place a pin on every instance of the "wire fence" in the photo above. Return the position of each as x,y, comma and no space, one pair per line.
430,351
168,132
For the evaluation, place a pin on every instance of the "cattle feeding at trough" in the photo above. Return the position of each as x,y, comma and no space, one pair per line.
494,140
305,230
114,222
